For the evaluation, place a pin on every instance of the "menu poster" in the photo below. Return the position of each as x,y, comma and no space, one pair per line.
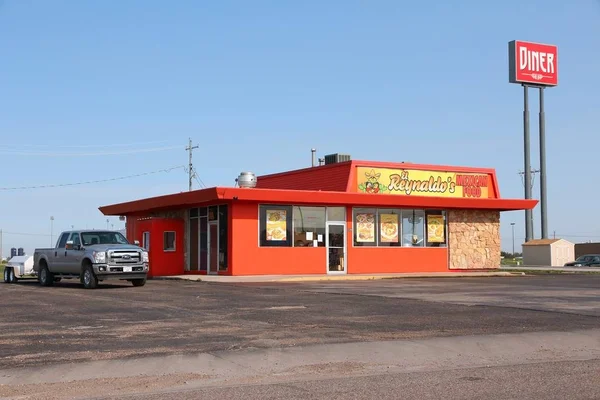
276,225
365,228
435,229
388,228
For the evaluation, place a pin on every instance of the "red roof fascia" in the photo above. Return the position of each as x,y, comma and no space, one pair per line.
362,199
162,202
194,198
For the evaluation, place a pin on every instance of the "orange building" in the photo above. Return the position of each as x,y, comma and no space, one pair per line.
351,217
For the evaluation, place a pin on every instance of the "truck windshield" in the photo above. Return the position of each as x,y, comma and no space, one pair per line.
92,238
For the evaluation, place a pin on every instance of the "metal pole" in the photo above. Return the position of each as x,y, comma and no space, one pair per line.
527,170
51,231
543,194
513,237
313,157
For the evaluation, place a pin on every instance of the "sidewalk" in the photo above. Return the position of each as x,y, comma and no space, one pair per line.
316,278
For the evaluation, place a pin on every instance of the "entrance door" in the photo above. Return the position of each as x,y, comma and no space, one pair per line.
213,248
336,248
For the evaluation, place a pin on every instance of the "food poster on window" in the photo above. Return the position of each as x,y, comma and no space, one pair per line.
435,229
365,228
276,225
388,228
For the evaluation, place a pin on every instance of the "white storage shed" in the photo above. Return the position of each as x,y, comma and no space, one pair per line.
548,252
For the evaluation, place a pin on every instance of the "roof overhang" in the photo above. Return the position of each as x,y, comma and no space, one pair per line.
197,197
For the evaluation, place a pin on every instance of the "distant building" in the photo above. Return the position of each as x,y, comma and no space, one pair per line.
548,252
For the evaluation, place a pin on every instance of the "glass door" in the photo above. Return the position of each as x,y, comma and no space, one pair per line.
213,248
336,247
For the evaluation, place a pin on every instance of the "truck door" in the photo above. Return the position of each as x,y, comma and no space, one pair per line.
57,260
74,255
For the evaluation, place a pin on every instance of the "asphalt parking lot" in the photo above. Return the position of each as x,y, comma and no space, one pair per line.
66,323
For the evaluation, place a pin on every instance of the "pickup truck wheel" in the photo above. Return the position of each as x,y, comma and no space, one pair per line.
6,280
90,281
46,277
138,282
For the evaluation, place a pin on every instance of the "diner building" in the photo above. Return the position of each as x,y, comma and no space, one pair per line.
343,217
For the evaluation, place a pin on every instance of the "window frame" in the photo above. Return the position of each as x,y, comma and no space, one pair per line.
169,250
298,208
402,212
262,225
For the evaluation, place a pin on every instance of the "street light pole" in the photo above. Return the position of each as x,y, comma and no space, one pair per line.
51,231
513,237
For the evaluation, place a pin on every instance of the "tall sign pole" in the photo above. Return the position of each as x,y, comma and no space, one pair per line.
534,65
543,194
527,162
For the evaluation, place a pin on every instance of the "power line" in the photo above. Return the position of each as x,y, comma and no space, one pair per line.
90,182
75,146
101,153
25,234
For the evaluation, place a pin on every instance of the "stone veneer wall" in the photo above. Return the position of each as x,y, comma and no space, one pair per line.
474,239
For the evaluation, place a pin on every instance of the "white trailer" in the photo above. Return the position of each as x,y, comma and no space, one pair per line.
19,267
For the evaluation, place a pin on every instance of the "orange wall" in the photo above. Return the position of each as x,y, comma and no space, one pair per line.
247,258
162,263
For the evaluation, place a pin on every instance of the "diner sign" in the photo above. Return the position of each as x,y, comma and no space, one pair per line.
410,182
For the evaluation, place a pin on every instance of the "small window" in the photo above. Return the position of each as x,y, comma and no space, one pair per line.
62,243
146,241
365,227
193,213
169,241
213,213
275,225
309,226
75,239
413,228
436,228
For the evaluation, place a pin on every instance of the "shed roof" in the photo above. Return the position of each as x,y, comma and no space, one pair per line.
541,242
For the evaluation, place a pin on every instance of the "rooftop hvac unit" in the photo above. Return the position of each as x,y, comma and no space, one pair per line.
336,158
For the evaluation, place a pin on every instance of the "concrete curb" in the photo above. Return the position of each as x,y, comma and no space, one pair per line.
317,278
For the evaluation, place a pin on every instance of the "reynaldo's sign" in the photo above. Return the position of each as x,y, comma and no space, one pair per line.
533,63
410,182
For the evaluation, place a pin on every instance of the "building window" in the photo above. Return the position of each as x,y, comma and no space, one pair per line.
309,226
387,227
169,241
223,237
388,233
146,241
194,256
203,241
213,213
336,214
413,228
275,226
365,226
436,228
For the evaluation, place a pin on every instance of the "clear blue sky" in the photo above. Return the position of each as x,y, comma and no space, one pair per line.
257,84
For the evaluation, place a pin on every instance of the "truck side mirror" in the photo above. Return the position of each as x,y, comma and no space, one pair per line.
69,245
136,242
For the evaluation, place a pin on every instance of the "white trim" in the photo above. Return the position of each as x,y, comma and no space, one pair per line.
345,248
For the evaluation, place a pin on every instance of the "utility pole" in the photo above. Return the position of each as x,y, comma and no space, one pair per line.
190,149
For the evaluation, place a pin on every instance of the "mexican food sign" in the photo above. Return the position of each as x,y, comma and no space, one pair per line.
411,182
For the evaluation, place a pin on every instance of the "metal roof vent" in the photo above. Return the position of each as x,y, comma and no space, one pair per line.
336,158
246,180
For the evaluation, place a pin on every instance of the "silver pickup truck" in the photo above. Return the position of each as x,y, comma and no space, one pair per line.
91,256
